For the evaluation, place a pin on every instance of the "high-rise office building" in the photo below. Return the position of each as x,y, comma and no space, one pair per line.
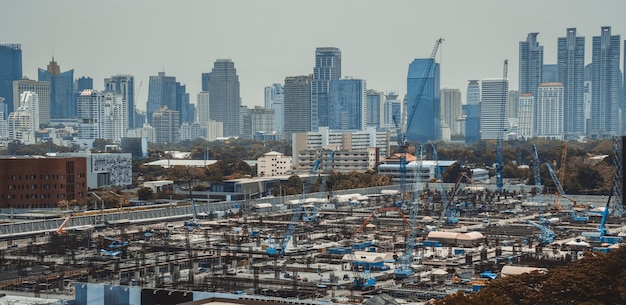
258,119
451,108
606,99
10,70
426,112
274,99
62,98
530,64
224,98
83,83
203,108
205,81
550,73
297,105
513,104
327,68
472,122
374,108
493,108
43,93
587,89
347,104
102,115
183,106
571,65
550,97
124,85
393,110
166,125
161,92
526,116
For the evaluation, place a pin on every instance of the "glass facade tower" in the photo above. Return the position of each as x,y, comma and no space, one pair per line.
426,124
327,68
10,70
347,105
571,67
606,99
62,99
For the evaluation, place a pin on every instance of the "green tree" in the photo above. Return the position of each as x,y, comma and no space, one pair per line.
145,193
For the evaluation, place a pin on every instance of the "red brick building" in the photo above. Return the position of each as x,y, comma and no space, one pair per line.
31,182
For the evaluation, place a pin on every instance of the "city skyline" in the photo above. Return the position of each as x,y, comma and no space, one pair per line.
252,39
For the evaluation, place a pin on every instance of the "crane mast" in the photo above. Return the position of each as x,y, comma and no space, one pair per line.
501,131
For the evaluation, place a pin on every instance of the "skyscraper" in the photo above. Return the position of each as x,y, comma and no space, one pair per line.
124,85
102,115
43,93
224,98
347,104
530,64
606,101
526,116
472,123
83,83
550,73
374,108
62,98
494,107
161,92
571,65
393,108
203,109
550,111
450,108
166,125
10,70
327,68
297,105
183,106
426,123
274,99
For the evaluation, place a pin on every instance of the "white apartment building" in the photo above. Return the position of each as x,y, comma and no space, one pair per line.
273,164
102,115
214,130
343,140
526,116
550,102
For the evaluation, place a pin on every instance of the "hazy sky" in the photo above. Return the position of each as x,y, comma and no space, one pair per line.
269,40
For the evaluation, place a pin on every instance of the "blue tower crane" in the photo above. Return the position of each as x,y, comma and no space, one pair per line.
547,236
403,270
446,206
501,131
272,248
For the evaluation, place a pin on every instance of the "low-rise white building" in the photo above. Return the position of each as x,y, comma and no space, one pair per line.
273,164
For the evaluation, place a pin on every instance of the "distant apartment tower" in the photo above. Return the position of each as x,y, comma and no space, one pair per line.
20,126
513,103
257,119
43,94
62,99
550,97
124,85
29,101
526,116
203,108
451,108
10,70
161,92
224,98
571,65
426,123
587,89
192,131
275,99
102,115
393,108
472,122
374,108
606,99
327,68
494,107
347,104
530,64
297,105
215,130
166,125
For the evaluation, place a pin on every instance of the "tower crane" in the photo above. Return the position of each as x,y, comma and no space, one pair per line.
401,130
272,248
501,130
537,176
547,235
311,214
561,193
446,206
403,270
